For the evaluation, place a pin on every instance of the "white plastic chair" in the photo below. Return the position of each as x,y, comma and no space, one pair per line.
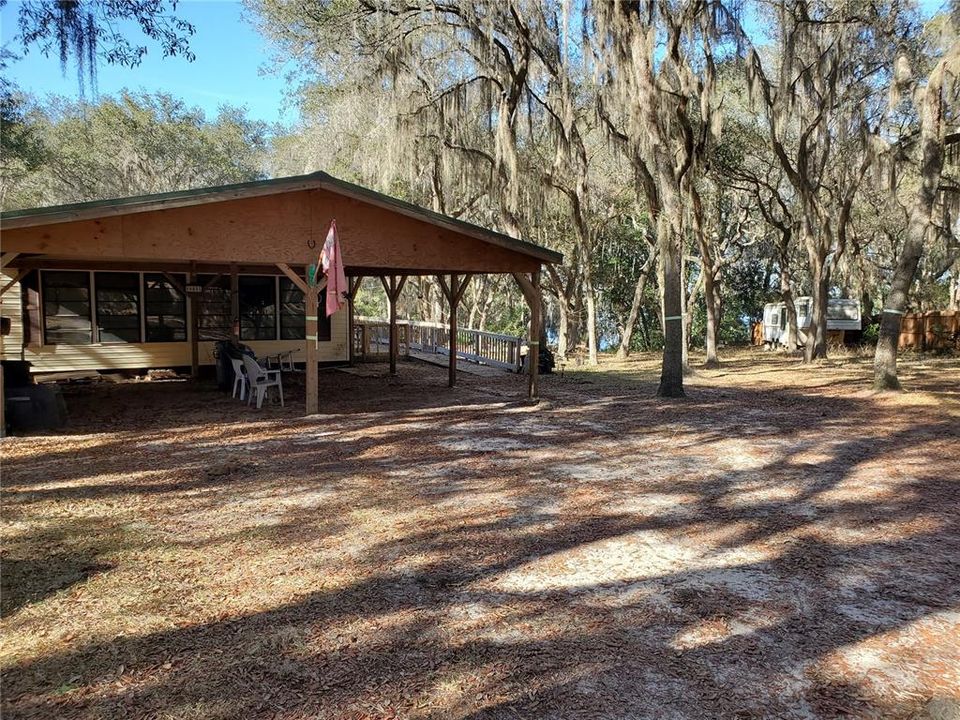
239,378
260,380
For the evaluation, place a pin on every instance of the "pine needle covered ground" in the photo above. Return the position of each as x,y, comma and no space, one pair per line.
780,543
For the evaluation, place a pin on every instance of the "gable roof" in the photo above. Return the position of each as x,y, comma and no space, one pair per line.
319,180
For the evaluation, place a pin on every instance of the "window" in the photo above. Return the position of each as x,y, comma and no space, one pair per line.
118,306
293,315
258,307
214,316
66,308
292,322
165,309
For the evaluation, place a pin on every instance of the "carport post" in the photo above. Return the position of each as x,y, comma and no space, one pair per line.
234,304
354,285
530,287
453,293
311,295
194,298
311,308
452,367
393,287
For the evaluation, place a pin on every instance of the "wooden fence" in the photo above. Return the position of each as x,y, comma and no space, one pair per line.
371,341
934,330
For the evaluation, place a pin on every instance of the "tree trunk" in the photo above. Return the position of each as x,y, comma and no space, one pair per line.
684,314
786,294
591,300
931,167
563,328
712,299
645,328
688,303
671,372
626,337
708,273
815,346
954,303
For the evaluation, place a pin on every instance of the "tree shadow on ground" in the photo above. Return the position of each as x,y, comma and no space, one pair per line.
726,601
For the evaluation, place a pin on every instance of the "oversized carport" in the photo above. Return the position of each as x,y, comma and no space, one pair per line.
272,225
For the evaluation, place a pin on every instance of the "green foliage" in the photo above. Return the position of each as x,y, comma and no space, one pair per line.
135,144
22,150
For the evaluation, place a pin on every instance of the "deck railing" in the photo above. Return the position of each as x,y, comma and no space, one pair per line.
371,341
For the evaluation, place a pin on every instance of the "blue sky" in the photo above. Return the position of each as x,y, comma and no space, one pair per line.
232,65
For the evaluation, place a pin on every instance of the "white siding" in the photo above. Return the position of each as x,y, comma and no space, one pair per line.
10,308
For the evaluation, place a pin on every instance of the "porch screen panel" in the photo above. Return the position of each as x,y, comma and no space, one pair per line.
118,306
258,307
66,308
165,309
293,314
214,313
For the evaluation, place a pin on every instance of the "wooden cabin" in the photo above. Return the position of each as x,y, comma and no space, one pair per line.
154,281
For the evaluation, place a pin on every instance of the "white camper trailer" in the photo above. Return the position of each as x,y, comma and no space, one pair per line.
842,314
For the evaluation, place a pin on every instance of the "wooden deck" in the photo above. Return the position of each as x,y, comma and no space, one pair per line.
466,366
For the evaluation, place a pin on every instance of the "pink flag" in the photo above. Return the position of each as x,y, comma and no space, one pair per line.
332,263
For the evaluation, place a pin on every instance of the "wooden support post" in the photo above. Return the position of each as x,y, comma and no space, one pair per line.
234,304
530,287
7,258
353,284
454,293
393,286
194,324
452,367
392,293
312,308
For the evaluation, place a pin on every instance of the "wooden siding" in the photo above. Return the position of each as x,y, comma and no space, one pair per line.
271,229
10,308
132,356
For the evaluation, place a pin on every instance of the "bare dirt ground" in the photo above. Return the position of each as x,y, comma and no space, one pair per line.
781,543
